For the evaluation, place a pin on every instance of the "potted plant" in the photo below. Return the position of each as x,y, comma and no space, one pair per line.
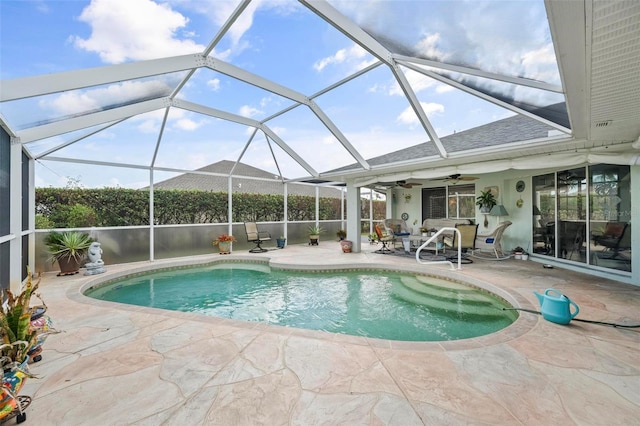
224,243
520,253
346,246
314,234
68,248
341,234
281,241
424,231
486,200
19,337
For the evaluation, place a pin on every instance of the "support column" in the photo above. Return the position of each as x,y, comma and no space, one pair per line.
15,217
32,214
152,234
230,206
389,204
354,221
285,200
635,221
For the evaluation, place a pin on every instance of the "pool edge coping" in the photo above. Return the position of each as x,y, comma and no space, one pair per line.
519,327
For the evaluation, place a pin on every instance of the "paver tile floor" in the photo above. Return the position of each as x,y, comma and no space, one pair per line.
114,364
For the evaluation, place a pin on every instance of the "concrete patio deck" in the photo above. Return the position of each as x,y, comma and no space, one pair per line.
114,364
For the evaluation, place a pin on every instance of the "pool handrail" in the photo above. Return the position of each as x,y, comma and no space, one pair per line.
434,237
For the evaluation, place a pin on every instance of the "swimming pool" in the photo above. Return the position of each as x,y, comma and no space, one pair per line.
379,304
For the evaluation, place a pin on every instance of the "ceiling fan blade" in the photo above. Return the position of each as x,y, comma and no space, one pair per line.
455,178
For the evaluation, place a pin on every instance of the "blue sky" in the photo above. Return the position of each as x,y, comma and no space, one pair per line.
278,40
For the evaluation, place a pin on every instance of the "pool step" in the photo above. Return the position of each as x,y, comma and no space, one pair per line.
452,303
433,281
446,290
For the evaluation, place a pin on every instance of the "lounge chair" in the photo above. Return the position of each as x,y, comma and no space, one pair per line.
256,237
488,245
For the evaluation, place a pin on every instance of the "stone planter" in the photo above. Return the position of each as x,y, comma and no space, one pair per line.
68,266
224,247
346,246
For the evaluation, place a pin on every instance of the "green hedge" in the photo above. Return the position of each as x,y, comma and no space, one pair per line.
74,207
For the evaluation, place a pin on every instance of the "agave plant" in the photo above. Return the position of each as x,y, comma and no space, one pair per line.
315,230
67,245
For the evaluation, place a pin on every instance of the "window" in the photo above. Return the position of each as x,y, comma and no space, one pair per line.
434,203
461,202
453,201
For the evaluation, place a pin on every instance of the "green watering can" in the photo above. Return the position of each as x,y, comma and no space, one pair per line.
556,307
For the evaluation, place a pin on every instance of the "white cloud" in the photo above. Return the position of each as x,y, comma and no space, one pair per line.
219,11
355,56
149,126
328,140
42,7
214,84
279,130
265,101
249,111
187,124
428,47
417,81
197,160
541,63
79,101
124,30
408,116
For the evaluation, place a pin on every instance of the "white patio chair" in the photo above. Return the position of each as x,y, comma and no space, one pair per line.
488,245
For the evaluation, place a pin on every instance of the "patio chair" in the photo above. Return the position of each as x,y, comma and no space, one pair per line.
398,228
384,238
467,241
491,243
613,238
256,237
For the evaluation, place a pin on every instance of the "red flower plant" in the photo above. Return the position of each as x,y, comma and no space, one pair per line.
223,238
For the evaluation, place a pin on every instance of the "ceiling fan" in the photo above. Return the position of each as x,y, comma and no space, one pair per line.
400,183
455,178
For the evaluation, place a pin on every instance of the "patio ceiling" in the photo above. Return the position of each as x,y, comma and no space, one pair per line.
294,121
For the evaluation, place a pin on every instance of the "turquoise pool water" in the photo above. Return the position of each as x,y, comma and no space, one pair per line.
378,304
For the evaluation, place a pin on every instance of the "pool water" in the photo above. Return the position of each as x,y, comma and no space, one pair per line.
377,304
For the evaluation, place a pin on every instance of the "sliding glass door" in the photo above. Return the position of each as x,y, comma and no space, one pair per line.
584,215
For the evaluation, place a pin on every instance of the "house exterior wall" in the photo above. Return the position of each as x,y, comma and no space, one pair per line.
520,231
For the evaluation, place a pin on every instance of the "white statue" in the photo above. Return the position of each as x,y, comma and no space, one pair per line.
96,264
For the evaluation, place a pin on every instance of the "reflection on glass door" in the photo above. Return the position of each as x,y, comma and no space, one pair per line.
544,214
584,215
572,214
610,216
